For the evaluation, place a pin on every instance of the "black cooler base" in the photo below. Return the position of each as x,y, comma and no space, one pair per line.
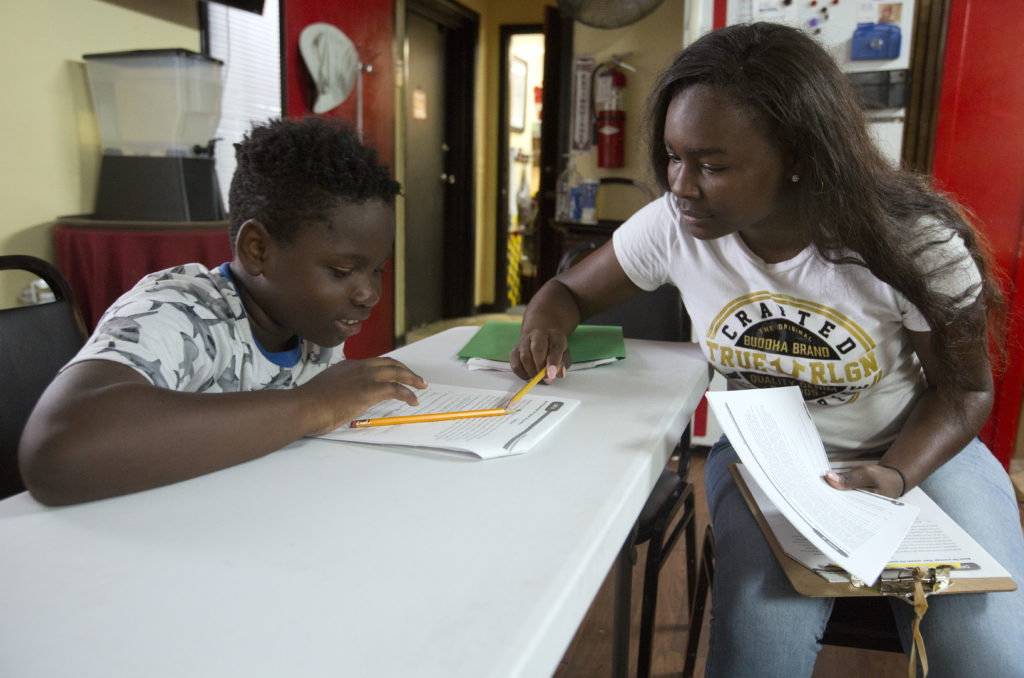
154,188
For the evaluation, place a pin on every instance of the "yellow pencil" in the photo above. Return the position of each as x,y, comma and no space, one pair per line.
418,418
530,384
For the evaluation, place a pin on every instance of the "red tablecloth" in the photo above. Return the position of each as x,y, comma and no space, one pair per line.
101,262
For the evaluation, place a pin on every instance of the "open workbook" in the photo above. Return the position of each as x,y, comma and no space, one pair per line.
831,532
532,418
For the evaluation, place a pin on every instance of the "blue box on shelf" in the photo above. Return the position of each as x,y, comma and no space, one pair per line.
875,41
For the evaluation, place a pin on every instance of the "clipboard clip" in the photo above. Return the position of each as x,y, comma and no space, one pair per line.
907,583
913,585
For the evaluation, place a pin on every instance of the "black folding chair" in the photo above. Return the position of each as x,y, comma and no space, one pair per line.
35,342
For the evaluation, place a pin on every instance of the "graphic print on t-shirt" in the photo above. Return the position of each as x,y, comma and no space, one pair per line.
763,340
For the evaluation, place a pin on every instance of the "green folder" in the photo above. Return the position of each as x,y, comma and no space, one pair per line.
496,338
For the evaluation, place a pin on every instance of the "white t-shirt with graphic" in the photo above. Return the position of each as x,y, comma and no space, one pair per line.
185,329
836,331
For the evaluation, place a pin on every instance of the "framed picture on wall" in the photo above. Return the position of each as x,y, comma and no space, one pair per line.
517,94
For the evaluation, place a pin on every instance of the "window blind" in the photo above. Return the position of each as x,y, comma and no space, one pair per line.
250,46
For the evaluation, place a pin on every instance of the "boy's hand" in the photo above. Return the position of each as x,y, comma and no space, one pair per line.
538,349
346,390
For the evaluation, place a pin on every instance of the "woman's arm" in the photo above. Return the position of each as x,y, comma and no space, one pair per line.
940,423
101,429
595,284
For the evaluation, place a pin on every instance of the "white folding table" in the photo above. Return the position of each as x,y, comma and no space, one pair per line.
338,559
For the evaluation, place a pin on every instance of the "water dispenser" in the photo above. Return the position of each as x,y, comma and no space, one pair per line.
157,112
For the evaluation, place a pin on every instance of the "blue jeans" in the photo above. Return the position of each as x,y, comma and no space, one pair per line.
760,626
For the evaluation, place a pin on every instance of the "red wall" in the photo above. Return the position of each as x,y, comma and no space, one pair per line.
370,26
979,158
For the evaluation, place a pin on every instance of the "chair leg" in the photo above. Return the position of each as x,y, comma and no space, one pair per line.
658,551
622,612
690,509
648,608
699,602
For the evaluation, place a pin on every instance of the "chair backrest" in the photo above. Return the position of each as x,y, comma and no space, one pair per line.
619,197
35,342
657,315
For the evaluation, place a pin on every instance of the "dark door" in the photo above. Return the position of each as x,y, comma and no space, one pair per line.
554,139
439,228
556,106
554,133
426,179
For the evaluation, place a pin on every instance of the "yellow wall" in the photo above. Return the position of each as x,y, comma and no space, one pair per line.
51,147
653,41
51,150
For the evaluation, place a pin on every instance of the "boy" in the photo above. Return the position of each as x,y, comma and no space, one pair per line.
196,370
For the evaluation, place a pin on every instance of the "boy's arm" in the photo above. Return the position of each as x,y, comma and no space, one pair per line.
101,429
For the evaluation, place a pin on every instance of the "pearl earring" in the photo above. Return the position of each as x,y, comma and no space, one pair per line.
795,178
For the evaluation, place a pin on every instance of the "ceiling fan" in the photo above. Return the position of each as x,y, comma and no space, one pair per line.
607,13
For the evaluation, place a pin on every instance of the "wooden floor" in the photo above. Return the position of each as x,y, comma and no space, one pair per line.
589,654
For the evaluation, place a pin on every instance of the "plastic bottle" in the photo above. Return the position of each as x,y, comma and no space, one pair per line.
567,193
588,200
523,199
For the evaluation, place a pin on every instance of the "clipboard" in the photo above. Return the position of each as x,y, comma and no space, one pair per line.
895,582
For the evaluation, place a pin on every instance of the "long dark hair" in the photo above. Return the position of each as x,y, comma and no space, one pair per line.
855,205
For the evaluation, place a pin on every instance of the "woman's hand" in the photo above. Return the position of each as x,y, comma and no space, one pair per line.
593,285
883,480
541,349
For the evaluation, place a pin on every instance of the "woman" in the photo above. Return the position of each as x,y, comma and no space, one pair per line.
803,257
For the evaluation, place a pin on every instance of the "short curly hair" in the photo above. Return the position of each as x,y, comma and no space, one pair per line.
291,173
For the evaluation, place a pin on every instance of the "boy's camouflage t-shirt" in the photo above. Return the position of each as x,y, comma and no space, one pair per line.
185,329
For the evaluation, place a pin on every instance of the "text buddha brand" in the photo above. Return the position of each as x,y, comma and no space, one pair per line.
764,339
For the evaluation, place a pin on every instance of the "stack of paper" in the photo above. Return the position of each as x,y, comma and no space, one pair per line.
837,533
773,434
933,539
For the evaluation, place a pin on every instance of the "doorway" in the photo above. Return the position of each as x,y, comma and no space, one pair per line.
519,164
440,47
532,154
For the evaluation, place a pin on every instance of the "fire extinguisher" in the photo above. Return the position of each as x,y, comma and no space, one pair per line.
611,117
